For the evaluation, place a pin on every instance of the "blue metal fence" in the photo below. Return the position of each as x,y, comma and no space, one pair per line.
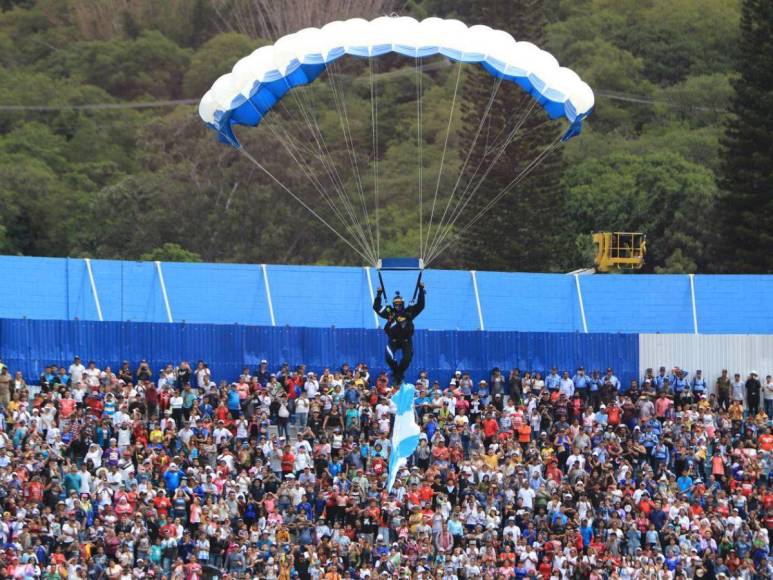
316,296
30,345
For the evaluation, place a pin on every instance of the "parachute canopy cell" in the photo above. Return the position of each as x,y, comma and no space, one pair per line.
257,82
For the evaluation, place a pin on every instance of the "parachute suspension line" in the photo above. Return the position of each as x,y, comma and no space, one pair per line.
331,165
327,161
496,146
420,145
374,131
340,100
299,200
292,150
520,177
443,156
288,142
487,110
344,196
296,148
468,193
505,190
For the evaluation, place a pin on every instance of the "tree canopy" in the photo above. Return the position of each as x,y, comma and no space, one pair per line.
677,146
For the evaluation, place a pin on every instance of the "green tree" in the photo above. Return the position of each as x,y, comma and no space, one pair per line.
170,252
525,230
214,58
746,207
33,207
662,195
151,65
120,183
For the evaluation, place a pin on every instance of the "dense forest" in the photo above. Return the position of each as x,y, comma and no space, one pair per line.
103,154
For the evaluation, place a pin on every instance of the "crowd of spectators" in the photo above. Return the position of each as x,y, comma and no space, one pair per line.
152,473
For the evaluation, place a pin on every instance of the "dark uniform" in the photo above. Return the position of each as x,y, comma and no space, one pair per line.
753,389
399,330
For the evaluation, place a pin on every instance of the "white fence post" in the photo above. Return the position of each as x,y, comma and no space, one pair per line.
474,275
582,304
372,297
694,306
268,294
163,292
94,289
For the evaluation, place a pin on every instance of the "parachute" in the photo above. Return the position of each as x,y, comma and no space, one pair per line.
273,79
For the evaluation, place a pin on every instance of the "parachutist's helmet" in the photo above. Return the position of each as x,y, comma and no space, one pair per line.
398,302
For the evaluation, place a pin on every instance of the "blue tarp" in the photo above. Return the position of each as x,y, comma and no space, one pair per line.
29,345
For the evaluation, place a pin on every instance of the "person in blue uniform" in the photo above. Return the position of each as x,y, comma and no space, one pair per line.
399,330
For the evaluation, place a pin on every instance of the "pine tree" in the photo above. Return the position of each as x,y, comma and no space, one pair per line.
524,230
746,208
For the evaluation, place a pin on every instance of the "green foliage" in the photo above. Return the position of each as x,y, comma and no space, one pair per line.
671,39
171,252
214,58
669,199
30,205
746,208
151,65
525,230
669,76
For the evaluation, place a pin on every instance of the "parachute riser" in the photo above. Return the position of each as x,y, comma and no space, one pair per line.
401,264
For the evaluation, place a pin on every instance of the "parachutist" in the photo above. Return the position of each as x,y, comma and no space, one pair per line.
399,330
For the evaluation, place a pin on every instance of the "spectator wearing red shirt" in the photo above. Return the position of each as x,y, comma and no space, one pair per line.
162,503
613,415
490,429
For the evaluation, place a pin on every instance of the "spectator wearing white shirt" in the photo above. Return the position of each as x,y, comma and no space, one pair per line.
302,410
168,422
91,375
527,495
76,371
382,409
738,388
124,436
610,376
203,375
79,392
120,416
575,457
767,394
450,402
566,385
87,480
107,377
167,377
221,434
302,460
186,434
176,405
114,477
311,387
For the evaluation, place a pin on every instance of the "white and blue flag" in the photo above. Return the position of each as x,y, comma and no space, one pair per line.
405,436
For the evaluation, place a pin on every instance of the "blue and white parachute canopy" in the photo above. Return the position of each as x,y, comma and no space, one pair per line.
257,82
